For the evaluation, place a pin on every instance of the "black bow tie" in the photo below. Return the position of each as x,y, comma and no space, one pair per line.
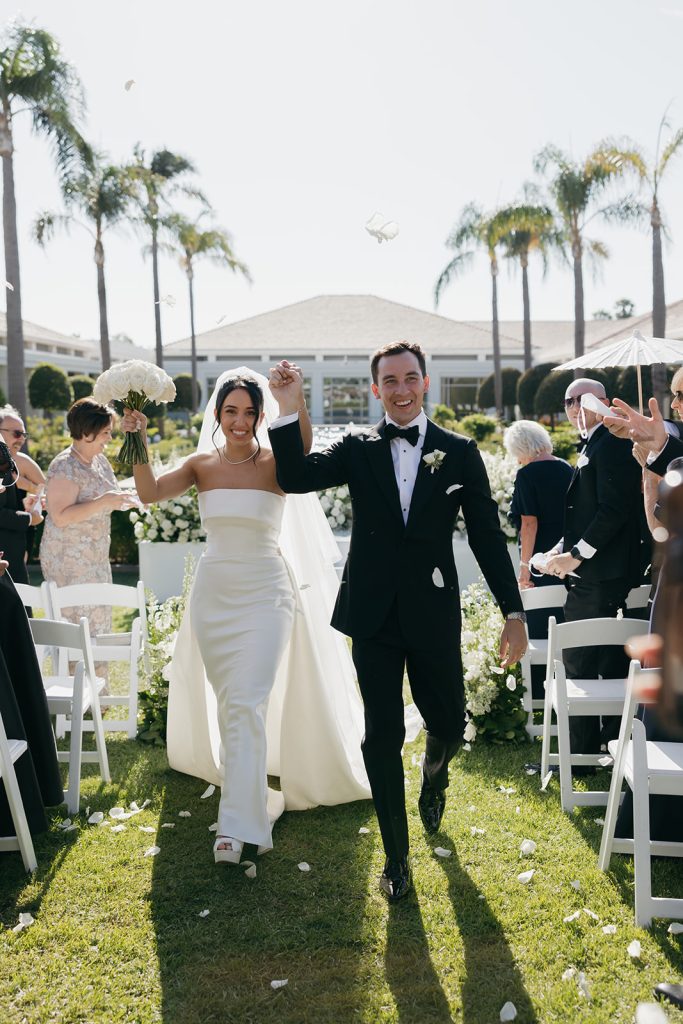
409,434
580,445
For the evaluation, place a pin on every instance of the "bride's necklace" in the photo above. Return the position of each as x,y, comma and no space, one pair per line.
239,462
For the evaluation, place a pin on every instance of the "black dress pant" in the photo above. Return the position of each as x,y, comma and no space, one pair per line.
436,683
587,600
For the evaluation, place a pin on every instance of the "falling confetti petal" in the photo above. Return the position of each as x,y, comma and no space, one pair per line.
453,487
25,921
119,828
129,84
146,828
9,286
508,1012
95,818
184,814
251,871
380,228
168,824
572,917
634,949
221,319
279,984
303,866
441,852
511,683
544,783
527,848
209,791
363,831
576,884
526,876
610,929
152,851
437,578
675,928
204,913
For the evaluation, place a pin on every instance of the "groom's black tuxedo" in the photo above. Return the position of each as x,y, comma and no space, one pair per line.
399,597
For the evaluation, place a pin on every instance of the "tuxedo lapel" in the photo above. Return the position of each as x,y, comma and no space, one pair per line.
378,453
425,479
586,451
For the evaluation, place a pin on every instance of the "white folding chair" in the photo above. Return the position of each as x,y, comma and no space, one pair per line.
73,696
639,597
580,697
536,599
11,751
112,647
649,767
37,598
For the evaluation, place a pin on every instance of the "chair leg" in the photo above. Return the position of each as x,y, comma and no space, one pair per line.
133,701
547,722
18,813
564,745
100,743
526,694
73,793
641,828
611,813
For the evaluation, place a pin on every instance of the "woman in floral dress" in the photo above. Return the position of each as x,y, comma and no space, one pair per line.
82,492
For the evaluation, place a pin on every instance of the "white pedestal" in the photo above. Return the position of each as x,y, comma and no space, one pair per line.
162,565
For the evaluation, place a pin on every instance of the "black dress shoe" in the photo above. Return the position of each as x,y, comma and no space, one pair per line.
431,805
396,880
673,993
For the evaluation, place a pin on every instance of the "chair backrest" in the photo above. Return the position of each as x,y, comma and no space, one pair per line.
73,636
544,597
111,595
35,597
606,632
639,596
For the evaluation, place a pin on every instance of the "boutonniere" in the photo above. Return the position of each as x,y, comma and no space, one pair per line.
434,460
582,461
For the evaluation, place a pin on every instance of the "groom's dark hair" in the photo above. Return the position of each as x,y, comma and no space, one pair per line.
394,348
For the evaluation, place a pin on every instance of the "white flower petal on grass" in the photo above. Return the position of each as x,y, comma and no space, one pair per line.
168,824
599,821
517,810
184,814
204,913
527,848
675,928
545,780
117,812
303,866
591,913
568,974
477,831
650,1013
507,790
279,983
95,818
119,828
25,921
453,487
209,791
146,828
634,949
214,827
584,988
64,824
145,803
576,884
472,807
467,746
440,851
609,929
152,851
526,876
572,917
508,1011
363,831
251,871
70,828
437,578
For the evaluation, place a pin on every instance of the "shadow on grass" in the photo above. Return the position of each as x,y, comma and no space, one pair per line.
409,970
491,974
306,927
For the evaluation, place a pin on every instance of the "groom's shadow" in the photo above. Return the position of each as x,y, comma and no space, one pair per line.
410,973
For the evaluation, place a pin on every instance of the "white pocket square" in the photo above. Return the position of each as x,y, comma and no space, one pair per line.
453,487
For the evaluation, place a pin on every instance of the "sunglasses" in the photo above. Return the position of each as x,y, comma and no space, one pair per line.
574,400
15,433
677,396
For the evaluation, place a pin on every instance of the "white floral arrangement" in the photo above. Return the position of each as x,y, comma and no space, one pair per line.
501,470
493,695
136,383
174,520
336,504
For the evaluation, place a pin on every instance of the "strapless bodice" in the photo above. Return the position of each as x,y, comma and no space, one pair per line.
242,524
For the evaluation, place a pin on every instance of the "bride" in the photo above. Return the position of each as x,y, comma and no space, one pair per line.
259,682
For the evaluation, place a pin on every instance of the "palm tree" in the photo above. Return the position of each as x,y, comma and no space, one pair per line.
476,230
158,182
193,243
528,227
651,175
34,78
103,193
576,189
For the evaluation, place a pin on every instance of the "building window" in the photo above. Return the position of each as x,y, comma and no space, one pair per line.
460,393
345,400
42,347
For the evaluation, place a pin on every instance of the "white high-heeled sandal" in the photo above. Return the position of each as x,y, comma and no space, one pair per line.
231,855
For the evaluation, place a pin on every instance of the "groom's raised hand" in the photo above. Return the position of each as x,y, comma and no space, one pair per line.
286,385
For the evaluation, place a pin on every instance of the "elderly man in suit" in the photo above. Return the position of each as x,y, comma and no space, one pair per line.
399,598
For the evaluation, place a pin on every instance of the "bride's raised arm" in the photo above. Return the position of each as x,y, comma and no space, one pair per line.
287,386
168,485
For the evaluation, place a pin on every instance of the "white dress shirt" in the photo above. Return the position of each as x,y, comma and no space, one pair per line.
406,458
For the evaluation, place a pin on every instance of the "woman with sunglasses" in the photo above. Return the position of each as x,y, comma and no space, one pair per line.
19,512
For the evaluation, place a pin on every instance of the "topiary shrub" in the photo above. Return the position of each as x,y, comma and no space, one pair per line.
486,394
81,385
529,383
49,389
549,400
478,426
183,393
441,414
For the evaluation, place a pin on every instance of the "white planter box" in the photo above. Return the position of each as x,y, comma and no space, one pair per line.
162,565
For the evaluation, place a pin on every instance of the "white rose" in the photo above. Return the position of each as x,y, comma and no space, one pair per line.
153,534
182,524
470,732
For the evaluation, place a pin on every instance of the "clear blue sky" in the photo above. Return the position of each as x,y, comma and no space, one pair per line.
305,117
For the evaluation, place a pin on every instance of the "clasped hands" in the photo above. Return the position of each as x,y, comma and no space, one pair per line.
286,383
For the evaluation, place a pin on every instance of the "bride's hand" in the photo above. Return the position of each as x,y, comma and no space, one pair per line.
286,385
134,422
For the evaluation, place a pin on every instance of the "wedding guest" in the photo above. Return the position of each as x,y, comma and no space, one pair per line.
537,511
18,510
82,493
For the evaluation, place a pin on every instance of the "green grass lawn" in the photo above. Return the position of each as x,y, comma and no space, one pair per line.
118,937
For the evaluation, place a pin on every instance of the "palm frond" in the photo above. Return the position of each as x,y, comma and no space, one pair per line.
460,262
625,210
670,150
623,155
46,223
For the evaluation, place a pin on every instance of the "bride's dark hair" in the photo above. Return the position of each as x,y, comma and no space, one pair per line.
254,391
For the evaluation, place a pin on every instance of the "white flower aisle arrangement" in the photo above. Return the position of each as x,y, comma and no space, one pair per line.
136,383
336,504
493,695
501,470
174,520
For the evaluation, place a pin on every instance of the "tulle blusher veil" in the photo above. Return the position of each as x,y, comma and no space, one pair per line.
315,715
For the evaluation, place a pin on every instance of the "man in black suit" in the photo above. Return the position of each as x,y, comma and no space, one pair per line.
399,598
16,522
601,546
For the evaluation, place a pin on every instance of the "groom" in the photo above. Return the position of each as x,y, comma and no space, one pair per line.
399,598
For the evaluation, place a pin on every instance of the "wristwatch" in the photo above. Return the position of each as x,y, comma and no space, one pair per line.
516,615
575,553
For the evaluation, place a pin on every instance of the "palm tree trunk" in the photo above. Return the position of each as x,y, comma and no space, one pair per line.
659,388
102,301
579,316
497,370
16,378
193,350
157,297
526,305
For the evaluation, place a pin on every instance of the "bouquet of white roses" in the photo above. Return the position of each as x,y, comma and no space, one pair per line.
136,383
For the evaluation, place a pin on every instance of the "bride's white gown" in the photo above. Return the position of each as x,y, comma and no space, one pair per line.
253,618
